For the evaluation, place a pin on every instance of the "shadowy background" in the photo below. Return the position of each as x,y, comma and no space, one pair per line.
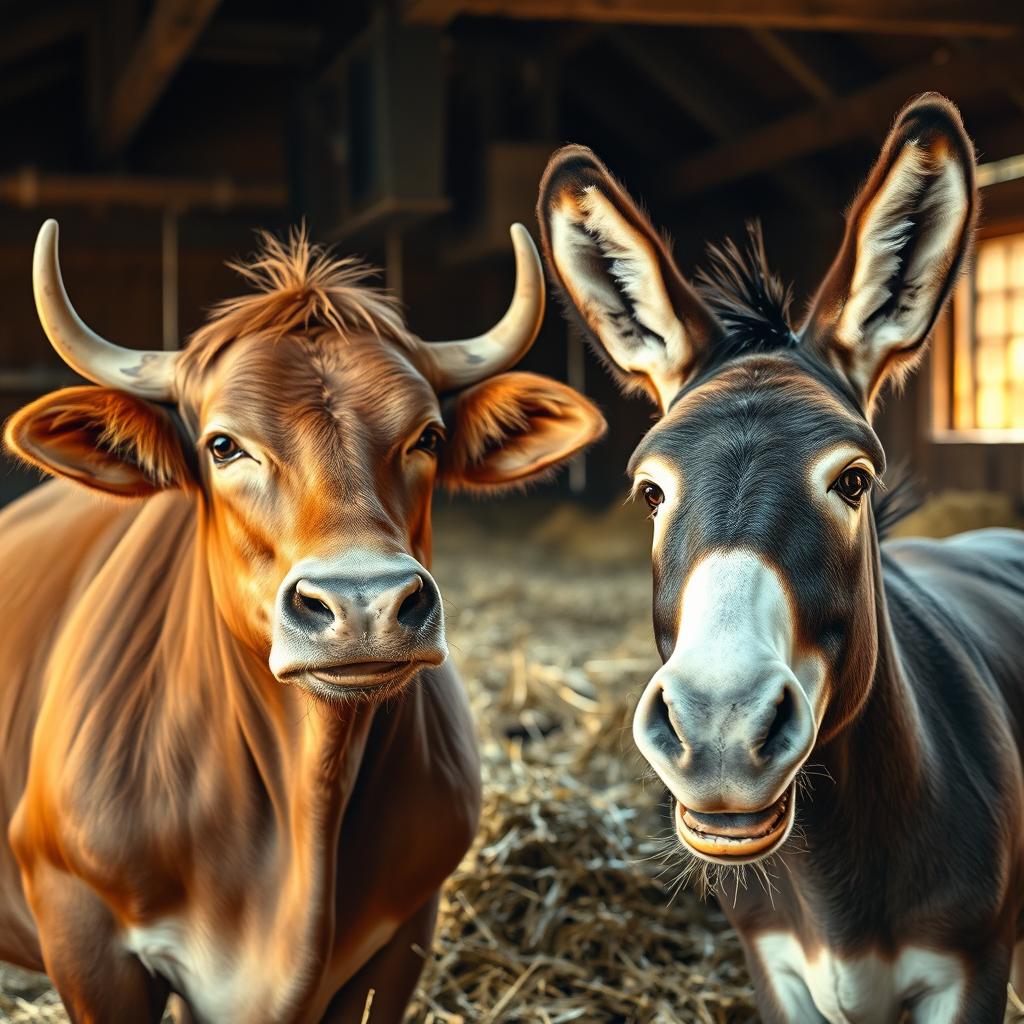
414,131
162,133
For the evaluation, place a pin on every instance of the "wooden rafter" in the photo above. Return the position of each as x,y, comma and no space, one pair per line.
170,32
992,18
21,39
250,42
29,188
793,64
690,91
970,72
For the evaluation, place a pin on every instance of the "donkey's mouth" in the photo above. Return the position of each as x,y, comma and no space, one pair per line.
733,838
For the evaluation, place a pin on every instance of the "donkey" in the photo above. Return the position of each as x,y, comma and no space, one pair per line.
787,630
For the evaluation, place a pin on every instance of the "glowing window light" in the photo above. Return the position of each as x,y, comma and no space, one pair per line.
988,340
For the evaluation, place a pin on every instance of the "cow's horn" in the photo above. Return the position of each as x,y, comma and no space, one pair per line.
146,374
461,363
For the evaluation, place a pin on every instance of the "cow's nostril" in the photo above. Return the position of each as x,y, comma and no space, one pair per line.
314,605
415,609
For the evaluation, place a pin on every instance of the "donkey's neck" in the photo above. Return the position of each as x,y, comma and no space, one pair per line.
864,786
887,732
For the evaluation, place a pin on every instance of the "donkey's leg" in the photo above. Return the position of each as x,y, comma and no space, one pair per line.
392,973
982,1000
782,995
1017,970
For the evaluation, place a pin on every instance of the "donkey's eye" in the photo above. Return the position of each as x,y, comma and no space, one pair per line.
852,485
429,441
654,496
224,449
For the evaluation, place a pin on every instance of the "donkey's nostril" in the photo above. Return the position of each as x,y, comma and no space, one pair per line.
775,739
667,712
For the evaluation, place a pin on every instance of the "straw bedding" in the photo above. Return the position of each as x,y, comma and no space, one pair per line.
568,907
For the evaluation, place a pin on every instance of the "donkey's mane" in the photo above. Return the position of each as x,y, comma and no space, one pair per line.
896,501
751,302
298,286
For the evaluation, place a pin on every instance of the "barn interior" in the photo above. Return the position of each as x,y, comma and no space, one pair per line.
162,133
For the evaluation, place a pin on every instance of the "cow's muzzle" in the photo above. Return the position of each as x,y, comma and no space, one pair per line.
360,625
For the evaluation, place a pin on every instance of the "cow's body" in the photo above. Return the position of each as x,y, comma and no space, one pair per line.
236,765
904,887
262,849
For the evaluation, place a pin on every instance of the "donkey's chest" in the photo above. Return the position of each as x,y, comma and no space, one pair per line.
869,988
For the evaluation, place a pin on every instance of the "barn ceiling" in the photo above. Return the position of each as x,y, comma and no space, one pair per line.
771,106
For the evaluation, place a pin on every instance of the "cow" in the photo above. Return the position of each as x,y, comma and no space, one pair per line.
237,765
841,715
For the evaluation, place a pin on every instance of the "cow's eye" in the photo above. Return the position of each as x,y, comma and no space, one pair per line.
429,441
653,495
852,484
224,449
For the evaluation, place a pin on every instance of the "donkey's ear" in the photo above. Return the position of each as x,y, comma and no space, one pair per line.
617,273
102,438
907,235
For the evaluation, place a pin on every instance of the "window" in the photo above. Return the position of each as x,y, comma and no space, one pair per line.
985,363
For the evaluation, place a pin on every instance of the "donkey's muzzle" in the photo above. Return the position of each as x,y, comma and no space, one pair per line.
728,756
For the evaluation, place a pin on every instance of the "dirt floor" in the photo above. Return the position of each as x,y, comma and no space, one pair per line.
568,908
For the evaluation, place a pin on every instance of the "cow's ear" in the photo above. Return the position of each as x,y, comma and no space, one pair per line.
616,272
907,236
515,428
103,438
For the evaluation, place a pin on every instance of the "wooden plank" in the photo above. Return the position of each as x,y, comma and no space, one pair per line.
793,64
250,42
968,73
986,18
38,33
691,91
28,188
170,33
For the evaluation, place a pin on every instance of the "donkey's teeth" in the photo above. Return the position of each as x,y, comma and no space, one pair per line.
736,834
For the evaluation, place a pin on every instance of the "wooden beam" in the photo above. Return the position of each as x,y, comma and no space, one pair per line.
259,43
991,18
169,34
29,188
38,33
793,64
690,90
968,73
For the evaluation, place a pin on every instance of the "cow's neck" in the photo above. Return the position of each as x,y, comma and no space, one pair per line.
301,758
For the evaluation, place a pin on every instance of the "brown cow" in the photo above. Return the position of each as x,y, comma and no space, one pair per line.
218,777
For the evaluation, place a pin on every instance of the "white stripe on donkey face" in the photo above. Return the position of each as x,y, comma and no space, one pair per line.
730,718
787,632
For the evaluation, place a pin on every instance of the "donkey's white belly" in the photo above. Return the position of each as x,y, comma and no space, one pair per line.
867,989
